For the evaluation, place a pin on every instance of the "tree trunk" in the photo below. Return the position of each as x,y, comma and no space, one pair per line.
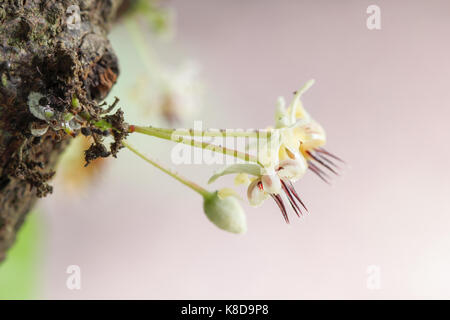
58,49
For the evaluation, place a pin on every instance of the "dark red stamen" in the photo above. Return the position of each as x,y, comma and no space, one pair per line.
291,199
280,204
322,150
324,158
260,186
322,175
292,189
321,162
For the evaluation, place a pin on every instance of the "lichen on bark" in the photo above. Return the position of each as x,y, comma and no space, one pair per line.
45,49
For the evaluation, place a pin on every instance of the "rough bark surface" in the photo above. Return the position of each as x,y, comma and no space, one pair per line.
44,48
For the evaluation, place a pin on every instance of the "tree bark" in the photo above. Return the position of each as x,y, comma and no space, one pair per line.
46,49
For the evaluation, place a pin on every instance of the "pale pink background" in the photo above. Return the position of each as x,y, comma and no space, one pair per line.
383,97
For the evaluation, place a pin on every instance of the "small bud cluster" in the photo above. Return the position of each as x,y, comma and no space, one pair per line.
57,120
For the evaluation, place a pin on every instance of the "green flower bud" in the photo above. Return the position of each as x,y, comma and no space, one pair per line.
68,116
226,213
75,103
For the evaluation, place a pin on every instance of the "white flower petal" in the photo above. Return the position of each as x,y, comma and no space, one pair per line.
281,115
290,140
242,178
292,169
271,183
296,101
255,195
268,152
249,168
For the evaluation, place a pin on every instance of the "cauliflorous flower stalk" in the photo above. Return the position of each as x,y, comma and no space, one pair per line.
284,153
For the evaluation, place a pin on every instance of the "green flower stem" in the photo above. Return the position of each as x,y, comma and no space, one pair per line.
202,191
204,145
265,134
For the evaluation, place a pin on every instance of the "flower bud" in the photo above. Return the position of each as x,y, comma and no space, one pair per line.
226,213
38,129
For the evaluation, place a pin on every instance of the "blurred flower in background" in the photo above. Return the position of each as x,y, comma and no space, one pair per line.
175,96
167,91
72,173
